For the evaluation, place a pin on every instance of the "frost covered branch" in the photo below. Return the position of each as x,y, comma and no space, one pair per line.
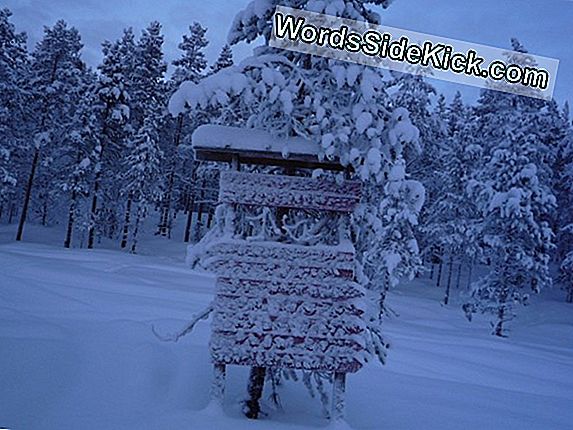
203,315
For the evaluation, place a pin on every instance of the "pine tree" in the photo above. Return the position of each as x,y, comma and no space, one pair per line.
450,223
189,67
110,122
225,59
513,193
143,159
13,65
55,74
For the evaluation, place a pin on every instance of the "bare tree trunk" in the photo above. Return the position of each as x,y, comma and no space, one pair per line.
164,227
499,325
71,221
189,222
439,273
432,270
255,390
93,213
28,195
12,213
126,222
569,298
470,270
210,217
45,212
459,276
449,283
140,215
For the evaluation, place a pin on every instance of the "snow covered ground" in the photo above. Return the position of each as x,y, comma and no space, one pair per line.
77,352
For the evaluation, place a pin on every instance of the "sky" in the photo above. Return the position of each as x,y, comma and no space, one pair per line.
545,27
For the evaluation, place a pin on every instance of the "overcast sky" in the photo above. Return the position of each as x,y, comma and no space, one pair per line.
545,27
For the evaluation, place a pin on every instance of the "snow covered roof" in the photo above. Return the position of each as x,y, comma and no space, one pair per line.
252,146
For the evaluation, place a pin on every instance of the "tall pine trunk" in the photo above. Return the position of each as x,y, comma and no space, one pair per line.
93,213
459,276
141,213
71,221
27,195
126,222
439,277
164,227
449,283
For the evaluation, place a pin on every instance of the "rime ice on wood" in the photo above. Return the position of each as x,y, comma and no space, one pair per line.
282,304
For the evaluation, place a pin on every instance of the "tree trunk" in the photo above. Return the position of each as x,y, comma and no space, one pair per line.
210,217
164,227
71,220
255,391
189,222
12,213
432,270
45,212
93,213
199,223
27,195
470,270
140,215
499,325
569,298
126,223
459,276
439,273
449,283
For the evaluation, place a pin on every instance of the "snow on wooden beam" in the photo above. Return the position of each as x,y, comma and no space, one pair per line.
289,192
280,305
251,146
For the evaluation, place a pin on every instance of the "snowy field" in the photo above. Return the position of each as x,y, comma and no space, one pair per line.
77,352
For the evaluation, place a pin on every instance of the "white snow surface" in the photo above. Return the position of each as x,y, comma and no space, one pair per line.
77,352
248,139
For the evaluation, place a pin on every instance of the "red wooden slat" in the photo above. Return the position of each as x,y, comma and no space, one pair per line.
283,305
289,192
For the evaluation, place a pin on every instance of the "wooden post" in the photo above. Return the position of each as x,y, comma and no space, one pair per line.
338,389
255,390
218,385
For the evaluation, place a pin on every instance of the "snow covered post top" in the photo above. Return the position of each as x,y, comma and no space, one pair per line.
251,146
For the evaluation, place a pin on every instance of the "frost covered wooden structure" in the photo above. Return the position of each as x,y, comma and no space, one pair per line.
281,304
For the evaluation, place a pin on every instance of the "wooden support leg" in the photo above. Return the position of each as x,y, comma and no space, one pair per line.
255,389
338,389
218,386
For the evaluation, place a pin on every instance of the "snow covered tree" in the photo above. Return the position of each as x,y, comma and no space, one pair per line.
189,67
342,106
13,65
192,64
225,59
513,193
109,125
54,80
564,191
141,178
148,92
450,224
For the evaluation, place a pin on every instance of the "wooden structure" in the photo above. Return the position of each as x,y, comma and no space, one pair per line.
280,304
